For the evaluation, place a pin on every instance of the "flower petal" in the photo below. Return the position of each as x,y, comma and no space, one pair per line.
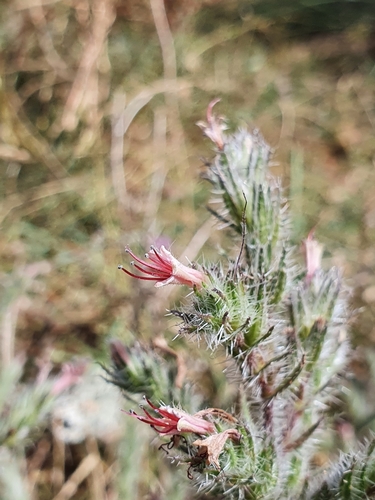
212,446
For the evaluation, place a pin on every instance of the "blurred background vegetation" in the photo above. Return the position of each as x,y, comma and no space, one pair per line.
99,149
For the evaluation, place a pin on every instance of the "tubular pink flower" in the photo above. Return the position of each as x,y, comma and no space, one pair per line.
171,421
214,127
313,255
164,269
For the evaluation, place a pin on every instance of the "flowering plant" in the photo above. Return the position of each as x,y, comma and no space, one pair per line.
283,326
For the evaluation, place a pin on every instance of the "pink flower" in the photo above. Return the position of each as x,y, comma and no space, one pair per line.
71,374
211,447
171,421
313,255
214,127
164,269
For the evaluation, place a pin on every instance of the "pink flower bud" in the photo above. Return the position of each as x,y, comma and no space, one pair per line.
313,255
214,127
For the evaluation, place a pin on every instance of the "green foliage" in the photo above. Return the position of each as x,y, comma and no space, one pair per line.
22,407
23,416
306,17
140,370
352,478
